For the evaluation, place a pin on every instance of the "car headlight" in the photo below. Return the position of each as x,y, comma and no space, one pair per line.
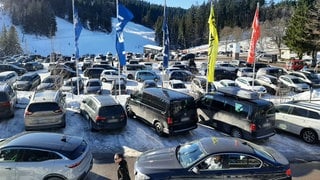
140,176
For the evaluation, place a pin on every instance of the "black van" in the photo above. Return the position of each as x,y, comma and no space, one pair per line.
168,111
238,112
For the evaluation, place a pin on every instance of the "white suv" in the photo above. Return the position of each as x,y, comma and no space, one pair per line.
301,118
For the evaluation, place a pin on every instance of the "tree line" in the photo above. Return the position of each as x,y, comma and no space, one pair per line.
187,27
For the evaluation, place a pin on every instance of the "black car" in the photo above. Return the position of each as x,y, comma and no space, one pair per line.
93,72
66,73
11,67
33,66
238,159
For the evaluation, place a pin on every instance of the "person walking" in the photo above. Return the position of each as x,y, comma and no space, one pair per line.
122,172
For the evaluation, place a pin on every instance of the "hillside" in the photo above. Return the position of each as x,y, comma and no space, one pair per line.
90,42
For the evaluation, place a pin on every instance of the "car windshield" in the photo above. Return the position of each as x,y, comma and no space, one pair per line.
49,80
71,83
25,78
94,83
297,80
189,153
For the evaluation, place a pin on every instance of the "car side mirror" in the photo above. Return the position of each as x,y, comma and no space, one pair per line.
195,170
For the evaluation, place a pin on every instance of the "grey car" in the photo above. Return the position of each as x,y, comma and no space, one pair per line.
103,112
42,155
93,86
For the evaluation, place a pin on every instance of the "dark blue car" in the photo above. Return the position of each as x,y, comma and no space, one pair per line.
211,158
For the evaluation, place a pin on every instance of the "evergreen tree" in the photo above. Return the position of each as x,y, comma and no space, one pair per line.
3,40
13,44
295,37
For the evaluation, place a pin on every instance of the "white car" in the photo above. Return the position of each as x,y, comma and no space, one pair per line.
177,85
245,72
225,83
295,83
110,75
250,84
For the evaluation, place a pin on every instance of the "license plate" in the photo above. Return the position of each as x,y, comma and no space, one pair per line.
185,119
112,120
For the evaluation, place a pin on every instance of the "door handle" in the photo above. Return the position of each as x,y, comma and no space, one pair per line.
8,168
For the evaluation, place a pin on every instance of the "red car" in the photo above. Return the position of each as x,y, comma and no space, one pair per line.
294,64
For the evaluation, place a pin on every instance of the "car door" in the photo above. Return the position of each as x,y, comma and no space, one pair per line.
8,158
289,118
136,104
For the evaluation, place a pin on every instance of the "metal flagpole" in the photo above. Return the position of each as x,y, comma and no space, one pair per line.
77,70
119,68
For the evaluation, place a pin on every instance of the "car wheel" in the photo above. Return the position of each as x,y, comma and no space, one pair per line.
235,132
104,80
159,128
309,136
129,112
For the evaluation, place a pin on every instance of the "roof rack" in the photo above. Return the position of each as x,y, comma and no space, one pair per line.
240,93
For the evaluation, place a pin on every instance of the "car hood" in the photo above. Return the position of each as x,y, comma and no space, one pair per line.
66,88
158,160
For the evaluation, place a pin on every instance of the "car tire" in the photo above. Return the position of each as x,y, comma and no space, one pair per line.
104,80
235,132
158,128
129,112
309,136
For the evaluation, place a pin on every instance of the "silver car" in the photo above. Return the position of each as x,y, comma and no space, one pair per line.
41,155
295,83
93,86
300,118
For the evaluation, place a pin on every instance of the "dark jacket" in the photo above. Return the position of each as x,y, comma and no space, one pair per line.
123,172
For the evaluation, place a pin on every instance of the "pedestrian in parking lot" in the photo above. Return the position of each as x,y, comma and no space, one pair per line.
123,172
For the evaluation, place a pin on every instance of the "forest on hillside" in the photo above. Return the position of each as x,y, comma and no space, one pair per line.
187,27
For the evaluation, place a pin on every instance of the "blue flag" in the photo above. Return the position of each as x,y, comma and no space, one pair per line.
124,16
165,50
77,30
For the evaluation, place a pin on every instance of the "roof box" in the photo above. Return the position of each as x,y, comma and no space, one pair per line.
238,92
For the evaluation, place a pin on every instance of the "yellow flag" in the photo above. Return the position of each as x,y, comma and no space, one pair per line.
213,46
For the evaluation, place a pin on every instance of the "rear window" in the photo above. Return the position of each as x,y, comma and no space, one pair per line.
4,96
111,110
51,106
77,152
184,104
94,83
25,78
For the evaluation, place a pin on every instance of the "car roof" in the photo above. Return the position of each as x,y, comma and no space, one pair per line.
166,94
225,144
4,73
45,95
290,76
310,105
105,100
43,140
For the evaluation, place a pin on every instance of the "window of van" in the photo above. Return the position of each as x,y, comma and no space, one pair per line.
179,105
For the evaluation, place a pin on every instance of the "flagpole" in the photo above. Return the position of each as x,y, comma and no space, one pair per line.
77,69
119,68
163,42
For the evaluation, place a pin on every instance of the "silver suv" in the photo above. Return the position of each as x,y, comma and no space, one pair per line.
103,112
40,155
47,109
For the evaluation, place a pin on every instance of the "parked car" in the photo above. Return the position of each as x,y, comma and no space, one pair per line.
103,112
199,86
93,72
186,57
44,155
168,111
130,70
46,109
225,83
198,160
63,71
33,66
310,78
52,82
294,64
221,73
71,85
93,86
273,85
245,72
8,101
110,75
250,84
182,75
238,112
269,58
295,83
10,67
177,85
118,87
300,118
9,77
143,75
27,82
147,84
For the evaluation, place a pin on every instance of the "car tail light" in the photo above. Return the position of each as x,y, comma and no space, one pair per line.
288,172
100,118
27,113
5,104
253,127
169,121
75,164
58,111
